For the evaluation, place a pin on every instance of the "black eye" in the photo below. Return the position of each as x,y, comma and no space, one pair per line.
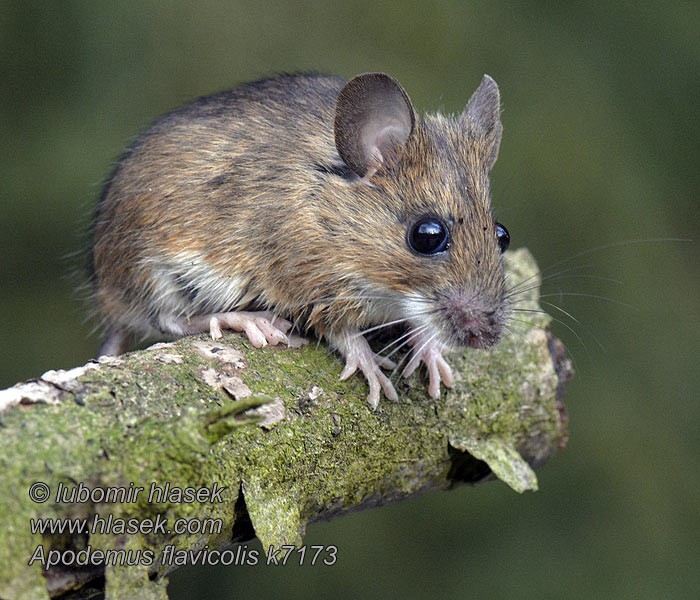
503,237
428,235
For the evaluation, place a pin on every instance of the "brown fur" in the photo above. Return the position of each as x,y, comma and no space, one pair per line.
247,187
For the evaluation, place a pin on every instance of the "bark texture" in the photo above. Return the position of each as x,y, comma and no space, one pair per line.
273,430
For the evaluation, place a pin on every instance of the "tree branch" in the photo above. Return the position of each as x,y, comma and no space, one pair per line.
270,438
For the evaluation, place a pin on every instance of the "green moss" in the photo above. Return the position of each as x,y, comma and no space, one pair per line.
148,418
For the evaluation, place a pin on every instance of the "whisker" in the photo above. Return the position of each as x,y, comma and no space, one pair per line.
396,341
380,326
408,335
516,329
565,324
530,281
424,313
415,351
400,363
516,289
589,329
334,298
613,245
559,308
616,245
521,323
556,277
532,310
584,295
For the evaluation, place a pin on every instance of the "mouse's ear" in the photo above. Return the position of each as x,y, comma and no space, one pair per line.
373,119
483,113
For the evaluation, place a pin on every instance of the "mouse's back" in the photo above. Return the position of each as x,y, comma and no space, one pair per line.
209,181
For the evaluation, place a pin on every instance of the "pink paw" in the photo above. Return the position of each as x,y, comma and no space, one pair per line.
430,353
358,355
262,328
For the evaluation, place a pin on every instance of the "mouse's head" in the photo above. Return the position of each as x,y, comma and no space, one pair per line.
424,235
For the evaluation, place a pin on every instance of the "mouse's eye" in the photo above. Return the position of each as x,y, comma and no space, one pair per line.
503,237
428,235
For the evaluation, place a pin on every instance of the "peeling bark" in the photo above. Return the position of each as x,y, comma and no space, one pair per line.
273,430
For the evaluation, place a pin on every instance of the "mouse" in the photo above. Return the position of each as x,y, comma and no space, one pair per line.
307,202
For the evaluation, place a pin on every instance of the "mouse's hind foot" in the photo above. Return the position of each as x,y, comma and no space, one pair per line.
261,328
117,342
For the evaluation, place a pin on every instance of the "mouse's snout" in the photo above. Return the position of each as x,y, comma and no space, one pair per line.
475,321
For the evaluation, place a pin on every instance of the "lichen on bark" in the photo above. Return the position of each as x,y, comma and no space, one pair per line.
274,430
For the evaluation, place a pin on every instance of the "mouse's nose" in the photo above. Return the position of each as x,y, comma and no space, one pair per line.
475,321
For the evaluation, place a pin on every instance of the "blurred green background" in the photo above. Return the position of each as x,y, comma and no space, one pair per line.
601,130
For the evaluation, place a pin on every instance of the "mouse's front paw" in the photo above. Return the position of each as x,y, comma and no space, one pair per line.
358,355
430,353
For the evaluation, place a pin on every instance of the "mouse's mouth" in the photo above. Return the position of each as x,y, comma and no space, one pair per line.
474,322
480,340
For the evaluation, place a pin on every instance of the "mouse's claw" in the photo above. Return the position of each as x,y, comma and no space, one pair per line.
358,355
430,353
261,328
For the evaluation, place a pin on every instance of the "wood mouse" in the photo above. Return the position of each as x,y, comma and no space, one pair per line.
310,200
